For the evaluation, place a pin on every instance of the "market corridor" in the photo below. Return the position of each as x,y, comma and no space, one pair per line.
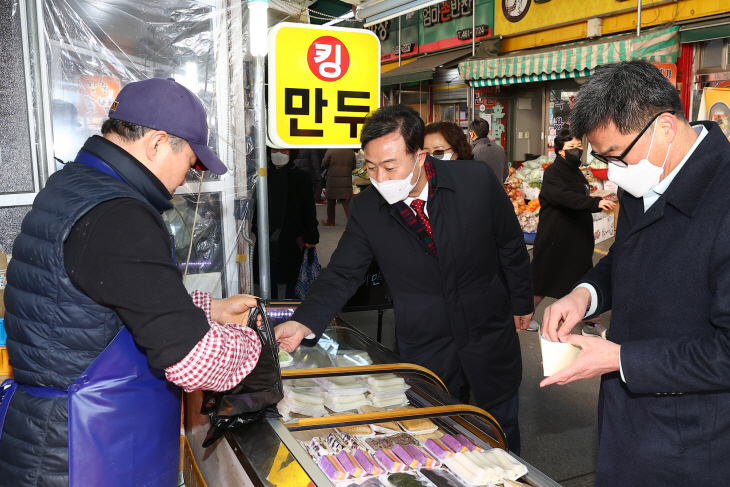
565,446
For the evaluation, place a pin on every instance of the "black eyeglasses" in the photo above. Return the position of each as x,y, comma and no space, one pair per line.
441,152
619,159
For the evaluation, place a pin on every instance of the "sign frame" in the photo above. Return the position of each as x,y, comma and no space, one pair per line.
272,135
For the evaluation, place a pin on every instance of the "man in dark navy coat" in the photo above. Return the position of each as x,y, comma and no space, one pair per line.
453,254
664,406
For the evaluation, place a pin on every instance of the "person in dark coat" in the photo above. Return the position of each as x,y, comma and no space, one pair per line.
487,150
339,164
563,250
310,161
292,220
453,254
665,385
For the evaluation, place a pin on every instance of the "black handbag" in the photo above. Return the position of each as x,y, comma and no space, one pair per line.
256,396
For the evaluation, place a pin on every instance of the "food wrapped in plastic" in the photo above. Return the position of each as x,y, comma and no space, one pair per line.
441,478
351,358
311,358
342,386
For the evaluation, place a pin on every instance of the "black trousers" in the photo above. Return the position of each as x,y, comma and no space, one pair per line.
506,413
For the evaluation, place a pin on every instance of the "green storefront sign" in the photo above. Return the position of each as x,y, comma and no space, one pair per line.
441,26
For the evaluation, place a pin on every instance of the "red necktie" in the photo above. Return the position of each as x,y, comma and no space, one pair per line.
417,205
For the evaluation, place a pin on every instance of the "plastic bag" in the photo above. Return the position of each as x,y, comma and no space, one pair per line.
307,273
256,396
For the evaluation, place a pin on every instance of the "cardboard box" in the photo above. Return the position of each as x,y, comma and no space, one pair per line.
603,229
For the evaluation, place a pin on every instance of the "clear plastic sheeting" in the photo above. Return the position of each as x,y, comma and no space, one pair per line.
96,47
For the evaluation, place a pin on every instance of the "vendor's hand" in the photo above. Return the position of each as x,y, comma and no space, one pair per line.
233,309
597,357
311,246
290,334
522,322
606,205
565,313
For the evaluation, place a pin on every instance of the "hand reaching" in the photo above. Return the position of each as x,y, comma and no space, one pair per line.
606,205
565,313
290,334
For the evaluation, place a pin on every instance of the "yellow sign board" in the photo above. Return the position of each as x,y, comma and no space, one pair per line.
323,81
518,16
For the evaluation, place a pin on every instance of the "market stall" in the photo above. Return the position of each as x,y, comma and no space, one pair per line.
353,415
523,187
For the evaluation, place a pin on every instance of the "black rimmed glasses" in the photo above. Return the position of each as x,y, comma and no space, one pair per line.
619,159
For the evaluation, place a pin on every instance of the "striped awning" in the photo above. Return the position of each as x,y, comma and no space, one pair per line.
572,60
529,78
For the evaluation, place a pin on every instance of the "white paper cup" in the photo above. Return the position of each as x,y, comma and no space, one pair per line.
556,355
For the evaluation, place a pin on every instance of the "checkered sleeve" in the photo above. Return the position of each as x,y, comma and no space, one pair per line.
221,359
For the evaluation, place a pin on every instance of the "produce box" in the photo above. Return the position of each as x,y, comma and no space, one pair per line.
530,192
610,186
603,229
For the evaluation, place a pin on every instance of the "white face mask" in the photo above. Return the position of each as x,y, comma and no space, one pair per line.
395,190
279,159
638,179
445,157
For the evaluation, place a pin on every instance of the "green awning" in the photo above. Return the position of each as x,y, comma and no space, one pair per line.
571,60
705,31
529,78
406,78
421,69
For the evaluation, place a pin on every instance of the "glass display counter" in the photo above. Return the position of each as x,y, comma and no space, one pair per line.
279,452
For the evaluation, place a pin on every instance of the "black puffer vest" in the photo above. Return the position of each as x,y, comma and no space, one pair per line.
54,330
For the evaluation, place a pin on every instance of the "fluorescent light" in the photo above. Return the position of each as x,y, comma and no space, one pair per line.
258,23
341,18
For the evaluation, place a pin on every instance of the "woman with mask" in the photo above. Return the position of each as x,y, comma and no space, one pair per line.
339,164
446,141
563,250
292,219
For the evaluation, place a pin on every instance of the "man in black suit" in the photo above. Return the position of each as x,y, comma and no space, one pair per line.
665,385
457,267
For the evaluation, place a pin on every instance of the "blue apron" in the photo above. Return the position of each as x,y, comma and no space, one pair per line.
123,416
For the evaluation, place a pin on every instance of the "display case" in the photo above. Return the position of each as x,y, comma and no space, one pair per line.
275,452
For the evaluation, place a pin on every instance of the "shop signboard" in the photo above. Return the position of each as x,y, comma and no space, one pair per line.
323,81
669,71
440,26
97,95
513,17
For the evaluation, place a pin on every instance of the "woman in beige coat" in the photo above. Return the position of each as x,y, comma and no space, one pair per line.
339,164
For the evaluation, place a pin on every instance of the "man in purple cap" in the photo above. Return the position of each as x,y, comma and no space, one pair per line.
101,331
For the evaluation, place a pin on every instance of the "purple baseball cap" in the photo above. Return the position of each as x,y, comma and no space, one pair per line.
164,104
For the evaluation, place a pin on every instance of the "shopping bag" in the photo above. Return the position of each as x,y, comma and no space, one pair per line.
307,273
256,396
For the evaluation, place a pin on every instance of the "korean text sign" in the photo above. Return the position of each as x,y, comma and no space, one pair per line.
323,81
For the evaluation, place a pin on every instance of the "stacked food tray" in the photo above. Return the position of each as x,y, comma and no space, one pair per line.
407,453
